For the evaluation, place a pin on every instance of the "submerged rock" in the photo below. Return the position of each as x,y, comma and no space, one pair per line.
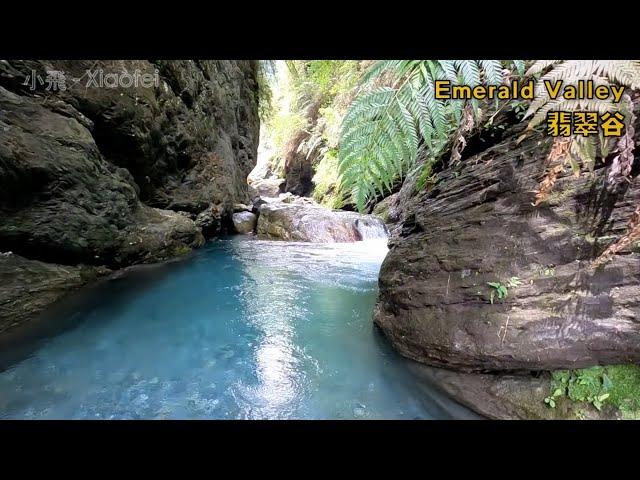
303,221
478,225
244,222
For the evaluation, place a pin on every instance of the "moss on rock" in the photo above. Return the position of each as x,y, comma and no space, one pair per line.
617,386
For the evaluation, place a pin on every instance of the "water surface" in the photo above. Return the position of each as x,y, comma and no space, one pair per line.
244,329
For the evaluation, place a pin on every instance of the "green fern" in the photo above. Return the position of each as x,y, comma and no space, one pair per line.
396,112
602,72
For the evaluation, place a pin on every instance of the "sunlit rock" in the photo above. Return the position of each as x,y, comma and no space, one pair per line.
305,221
244,222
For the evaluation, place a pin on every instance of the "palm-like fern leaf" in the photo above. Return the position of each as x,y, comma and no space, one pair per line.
385,125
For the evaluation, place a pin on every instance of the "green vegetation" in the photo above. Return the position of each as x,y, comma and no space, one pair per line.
310,99
266,71
501,290
326,181
397,111
617,385
378,116
583,150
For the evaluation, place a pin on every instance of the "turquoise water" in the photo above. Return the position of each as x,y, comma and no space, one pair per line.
243,329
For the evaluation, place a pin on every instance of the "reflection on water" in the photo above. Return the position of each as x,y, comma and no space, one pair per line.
243,329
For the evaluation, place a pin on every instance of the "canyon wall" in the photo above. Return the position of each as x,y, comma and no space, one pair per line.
100,168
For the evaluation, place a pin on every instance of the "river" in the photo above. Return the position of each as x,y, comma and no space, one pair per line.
241,329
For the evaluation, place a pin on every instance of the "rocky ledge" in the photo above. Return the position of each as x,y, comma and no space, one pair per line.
29,286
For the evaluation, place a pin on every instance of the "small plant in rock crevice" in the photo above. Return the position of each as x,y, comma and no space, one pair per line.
551,399
501,290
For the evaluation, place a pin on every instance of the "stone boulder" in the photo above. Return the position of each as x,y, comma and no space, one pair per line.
304,221
117,174
244,222
479,225
268,187
387,209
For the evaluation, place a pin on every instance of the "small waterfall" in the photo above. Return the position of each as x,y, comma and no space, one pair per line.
371,227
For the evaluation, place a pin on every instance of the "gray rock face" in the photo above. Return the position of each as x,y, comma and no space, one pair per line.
61,201
187,144
299,157
125,175
28,286
244,222
268,187
303,221
477,226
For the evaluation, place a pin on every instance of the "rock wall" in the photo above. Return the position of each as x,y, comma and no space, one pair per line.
478,225
100,172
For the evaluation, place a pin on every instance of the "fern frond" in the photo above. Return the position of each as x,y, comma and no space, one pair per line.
541,93
539,66
602,72
384,126
583,152
449,70
379,68
469,71
492,71
624,72
519,64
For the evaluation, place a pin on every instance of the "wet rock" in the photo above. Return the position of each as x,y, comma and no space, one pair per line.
359,411
163,235
478,225
124,175
302,220
244,222
387,209
210,220
241,207
288,197
29,286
